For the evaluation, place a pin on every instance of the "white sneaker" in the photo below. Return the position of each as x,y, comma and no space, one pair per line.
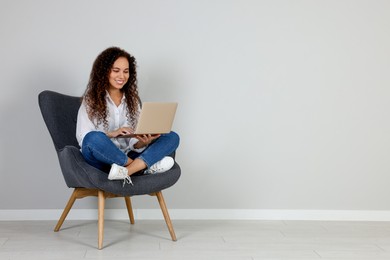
119,173
161,166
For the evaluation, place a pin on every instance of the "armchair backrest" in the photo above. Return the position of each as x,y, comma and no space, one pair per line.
59,112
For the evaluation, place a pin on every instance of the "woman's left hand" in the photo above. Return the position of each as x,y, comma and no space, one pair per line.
145,140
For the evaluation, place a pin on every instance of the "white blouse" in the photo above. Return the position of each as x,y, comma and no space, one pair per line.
116,118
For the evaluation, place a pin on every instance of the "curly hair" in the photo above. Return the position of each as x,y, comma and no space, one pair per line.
95,93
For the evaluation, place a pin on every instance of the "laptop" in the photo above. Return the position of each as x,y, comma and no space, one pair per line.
155,118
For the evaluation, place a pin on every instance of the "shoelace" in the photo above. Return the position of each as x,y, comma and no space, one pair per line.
122,172
153,169
148,171
127,180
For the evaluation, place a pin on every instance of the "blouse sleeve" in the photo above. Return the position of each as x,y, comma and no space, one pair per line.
84,124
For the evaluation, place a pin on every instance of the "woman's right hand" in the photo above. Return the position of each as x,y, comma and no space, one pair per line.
120,131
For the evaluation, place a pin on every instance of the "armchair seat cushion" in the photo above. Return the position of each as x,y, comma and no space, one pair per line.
78,173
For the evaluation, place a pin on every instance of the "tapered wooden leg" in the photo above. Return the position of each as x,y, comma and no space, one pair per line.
166,215
129,209
101,202
69,205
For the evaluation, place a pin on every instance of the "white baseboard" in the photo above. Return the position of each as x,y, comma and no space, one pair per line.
201,214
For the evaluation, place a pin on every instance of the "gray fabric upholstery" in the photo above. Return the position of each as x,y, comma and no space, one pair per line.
60,114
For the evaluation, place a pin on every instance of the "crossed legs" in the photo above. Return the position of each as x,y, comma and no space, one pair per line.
99,151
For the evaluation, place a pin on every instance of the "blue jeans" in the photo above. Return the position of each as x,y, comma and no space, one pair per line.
99,151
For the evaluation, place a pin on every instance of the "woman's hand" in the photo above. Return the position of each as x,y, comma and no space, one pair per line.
120,131
144,140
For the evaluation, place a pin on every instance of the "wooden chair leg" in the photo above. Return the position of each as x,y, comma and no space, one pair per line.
101,202
166,215
129,209
69,205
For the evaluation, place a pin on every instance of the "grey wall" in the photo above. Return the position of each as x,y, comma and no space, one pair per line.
283,104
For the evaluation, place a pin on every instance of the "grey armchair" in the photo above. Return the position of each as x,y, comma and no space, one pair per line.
59,112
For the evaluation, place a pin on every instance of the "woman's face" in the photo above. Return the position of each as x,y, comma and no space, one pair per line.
119,73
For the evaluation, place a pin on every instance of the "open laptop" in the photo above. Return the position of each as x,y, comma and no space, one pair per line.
155,118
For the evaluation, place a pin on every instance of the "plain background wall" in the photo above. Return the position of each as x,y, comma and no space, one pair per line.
283,104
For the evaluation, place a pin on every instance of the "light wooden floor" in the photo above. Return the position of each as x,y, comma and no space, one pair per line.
241,240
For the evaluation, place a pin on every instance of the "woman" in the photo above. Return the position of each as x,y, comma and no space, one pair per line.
110,108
